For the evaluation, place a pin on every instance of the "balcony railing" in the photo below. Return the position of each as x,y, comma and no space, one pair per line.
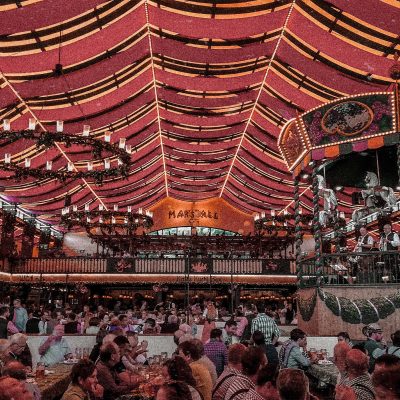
368,268
186,265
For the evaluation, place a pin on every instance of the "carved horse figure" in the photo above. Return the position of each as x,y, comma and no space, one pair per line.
376,198
330,201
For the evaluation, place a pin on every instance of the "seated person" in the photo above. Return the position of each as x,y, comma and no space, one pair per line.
171,326
18,350
12,389
16,370
150,327
84,382
54,349
107,376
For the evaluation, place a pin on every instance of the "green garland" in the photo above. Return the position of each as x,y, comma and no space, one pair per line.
364,311
307,306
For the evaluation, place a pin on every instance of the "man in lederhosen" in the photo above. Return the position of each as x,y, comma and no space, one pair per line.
389,242
365,243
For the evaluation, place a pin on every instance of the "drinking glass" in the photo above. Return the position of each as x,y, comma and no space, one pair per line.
39,370
312,352
324,354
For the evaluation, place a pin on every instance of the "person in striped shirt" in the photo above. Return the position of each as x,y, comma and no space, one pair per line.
266,325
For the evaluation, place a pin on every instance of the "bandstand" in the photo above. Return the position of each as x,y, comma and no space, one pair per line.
346,149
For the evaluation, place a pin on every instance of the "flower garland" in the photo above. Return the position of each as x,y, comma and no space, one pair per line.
307,306
358,311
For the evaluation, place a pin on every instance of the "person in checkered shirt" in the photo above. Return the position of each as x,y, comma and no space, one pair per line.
266,325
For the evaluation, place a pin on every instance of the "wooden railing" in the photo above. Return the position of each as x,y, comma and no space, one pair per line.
186,265
368,268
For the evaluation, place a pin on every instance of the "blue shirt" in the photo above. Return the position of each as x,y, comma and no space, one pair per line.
56,352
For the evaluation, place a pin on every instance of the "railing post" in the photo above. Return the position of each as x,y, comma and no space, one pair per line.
317,226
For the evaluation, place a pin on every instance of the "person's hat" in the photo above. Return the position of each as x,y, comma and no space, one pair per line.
371,328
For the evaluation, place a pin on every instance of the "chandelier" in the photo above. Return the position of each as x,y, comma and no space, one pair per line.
119,153
281,221
109,221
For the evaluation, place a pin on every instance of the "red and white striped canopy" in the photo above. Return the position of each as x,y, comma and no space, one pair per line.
199,89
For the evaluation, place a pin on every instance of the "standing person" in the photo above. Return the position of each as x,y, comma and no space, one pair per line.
389,241
4,314
393,349
32,325
20,316
244,327
216,350
266,325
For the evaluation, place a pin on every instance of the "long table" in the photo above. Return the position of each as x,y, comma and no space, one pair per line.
55,384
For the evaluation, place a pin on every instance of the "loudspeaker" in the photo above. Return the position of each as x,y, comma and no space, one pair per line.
67,201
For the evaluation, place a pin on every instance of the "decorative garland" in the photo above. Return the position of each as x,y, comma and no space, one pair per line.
109,220
307,306
49,139
358,311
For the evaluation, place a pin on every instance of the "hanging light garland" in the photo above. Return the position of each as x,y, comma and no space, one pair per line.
49,139
109,220
282,221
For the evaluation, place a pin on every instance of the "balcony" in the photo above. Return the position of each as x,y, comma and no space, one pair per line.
368,268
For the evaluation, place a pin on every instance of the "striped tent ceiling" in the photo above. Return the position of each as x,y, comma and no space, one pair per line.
199,88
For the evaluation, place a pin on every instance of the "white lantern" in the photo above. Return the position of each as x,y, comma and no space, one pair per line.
101,207
70,166
74,208
107,163
272,213
115,207
88,219
128,148
86,130
49,165
140,211
89,166
6,125
7,158
129,209
122,142
27,162
87,207
60,126
107,136
32,124
112,220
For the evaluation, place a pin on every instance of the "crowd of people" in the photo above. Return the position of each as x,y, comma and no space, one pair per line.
244,360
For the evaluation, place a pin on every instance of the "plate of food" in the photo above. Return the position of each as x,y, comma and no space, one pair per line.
324,362
71,361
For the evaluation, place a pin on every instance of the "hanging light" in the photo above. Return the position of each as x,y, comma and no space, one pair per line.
86,130
59,126
6,125
7,158
32,124
49,165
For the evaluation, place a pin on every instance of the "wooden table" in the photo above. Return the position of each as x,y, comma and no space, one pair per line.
54,385
325,374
